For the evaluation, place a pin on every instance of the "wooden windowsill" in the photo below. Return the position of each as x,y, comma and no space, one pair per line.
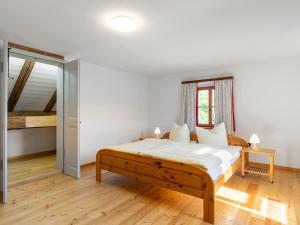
205,127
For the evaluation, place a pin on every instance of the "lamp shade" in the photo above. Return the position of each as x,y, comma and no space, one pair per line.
157,131
254,140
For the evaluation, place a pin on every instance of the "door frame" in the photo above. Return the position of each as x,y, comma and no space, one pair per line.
60,104
60,119
4,113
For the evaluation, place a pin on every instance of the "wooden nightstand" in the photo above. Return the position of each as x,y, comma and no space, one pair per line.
256,168
141,138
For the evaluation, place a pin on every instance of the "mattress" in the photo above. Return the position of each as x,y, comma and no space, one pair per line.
216,160
221,169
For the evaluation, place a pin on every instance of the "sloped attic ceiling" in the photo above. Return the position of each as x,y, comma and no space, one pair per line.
39,87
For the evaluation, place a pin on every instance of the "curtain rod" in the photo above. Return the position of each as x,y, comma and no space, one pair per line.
206,80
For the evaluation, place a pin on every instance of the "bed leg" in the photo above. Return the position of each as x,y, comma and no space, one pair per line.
98,168
209,208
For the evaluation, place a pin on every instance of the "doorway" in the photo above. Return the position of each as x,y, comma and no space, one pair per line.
61,119
32,118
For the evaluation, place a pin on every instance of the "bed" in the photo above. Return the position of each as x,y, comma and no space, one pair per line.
152,165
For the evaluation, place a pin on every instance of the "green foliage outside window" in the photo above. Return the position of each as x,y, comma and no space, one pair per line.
204,106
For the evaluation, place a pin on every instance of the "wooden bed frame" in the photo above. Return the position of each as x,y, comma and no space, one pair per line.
181,177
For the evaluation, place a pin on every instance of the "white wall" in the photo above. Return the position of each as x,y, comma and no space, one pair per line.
266,102
28,141
113,108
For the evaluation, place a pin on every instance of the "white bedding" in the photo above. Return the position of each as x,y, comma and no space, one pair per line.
215,159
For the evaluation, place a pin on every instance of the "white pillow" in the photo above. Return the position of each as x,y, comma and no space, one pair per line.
216,136
180,133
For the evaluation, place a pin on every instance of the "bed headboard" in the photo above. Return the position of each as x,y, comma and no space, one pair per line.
232,140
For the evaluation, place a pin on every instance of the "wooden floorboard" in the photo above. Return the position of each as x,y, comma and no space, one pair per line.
60,199
34,167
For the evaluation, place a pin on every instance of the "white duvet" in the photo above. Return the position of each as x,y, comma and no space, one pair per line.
215,159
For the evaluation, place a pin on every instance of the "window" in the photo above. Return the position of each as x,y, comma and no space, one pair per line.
205,107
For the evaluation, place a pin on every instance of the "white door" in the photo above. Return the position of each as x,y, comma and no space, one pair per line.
3,120
71,119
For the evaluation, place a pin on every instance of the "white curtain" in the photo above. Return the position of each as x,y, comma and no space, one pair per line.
224,111
187,112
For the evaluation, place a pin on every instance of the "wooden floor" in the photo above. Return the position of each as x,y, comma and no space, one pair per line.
61,200
30,168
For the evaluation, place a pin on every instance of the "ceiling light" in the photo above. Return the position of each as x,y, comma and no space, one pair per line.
123,23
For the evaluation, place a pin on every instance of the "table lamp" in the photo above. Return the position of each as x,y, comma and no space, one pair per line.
254,140
157,132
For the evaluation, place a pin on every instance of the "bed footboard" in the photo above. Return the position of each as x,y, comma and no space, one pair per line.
181,177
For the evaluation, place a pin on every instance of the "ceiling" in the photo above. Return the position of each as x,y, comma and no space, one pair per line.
173,36
39,87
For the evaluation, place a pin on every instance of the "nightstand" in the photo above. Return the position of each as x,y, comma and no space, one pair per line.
141,138
257,168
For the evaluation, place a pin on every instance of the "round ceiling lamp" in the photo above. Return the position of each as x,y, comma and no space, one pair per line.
123,24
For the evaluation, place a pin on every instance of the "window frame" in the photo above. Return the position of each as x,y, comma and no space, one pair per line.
210,90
